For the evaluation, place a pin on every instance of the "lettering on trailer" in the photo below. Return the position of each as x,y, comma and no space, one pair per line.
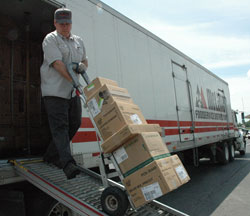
210,115
213,106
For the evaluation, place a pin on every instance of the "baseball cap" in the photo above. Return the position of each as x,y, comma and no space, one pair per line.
63,15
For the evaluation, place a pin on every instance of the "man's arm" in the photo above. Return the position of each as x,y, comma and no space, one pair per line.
85,61
83,66
61,68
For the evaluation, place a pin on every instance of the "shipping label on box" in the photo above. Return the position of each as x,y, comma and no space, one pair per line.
135,119
96,84
179,169
151,182
120,155
181,172
116,116
139,151
105,96
151,191
94,107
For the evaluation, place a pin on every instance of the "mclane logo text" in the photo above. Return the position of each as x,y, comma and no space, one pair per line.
215,102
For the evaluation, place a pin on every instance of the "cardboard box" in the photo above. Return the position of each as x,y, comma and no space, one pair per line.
152,181
139,151
116,116
126,133
179,169
106,95
96,84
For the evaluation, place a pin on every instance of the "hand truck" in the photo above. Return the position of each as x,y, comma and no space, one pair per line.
114,200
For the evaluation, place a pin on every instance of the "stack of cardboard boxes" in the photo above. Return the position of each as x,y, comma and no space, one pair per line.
148,168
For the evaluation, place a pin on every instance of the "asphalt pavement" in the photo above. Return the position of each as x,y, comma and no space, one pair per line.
217,190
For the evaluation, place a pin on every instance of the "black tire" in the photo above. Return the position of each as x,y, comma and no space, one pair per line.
223,153
243,152
114,201
231,151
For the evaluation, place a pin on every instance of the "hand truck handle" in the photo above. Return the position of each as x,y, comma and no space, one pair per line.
74,78
85,77
74,66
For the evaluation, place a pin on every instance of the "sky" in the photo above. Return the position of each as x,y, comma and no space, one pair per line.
215,33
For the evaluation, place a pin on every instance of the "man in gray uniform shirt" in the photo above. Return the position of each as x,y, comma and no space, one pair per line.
63,107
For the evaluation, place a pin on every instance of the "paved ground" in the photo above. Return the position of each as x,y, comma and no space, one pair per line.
215,189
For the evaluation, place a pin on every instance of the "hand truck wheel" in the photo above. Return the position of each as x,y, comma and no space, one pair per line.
114,201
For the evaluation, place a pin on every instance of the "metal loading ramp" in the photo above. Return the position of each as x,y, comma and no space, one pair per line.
81,194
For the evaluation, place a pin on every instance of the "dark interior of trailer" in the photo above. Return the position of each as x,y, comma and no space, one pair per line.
24,128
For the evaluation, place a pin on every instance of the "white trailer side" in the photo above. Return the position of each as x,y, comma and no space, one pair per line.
190,103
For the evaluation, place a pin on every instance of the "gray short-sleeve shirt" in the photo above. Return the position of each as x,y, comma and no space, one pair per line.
57,47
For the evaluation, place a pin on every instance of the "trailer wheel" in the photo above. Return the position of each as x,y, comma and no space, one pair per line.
223,153
59,209
243,152
114,201
231,151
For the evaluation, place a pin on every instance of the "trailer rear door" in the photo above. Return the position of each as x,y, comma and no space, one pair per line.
183,101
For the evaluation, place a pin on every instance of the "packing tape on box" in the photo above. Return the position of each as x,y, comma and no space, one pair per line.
145,163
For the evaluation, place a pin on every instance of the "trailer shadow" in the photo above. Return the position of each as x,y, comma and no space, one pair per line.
210,185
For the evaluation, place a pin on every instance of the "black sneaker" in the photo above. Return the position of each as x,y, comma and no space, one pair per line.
71,170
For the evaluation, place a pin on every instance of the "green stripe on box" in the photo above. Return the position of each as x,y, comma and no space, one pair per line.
100,102
145,163
90,86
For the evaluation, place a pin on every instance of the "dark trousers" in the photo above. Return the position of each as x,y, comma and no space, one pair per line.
64,117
